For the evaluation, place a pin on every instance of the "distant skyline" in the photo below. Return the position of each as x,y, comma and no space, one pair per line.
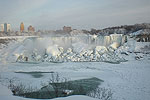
79,14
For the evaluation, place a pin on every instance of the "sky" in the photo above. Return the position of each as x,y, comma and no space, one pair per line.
79,14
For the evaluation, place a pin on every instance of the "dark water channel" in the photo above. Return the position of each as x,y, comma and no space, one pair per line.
54,90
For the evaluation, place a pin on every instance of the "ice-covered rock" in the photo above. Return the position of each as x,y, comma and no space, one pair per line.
101,49
69,51
61,49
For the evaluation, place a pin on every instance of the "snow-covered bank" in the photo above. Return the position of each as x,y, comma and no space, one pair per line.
6,94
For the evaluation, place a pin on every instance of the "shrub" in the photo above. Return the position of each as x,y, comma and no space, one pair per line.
101,93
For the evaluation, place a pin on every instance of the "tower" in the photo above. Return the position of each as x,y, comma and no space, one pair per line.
2,27
8,27
5,27
21,27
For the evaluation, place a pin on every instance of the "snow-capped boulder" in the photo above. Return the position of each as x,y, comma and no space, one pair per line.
61,49
101,49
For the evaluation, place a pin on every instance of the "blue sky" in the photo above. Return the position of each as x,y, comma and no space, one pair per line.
80,14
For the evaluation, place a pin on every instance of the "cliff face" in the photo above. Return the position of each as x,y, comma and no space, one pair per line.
124,29
143,38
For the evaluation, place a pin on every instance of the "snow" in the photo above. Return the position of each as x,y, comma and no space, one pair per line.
133,46
137,32
128,80
140,32
6,94
76,97
141,47
5,91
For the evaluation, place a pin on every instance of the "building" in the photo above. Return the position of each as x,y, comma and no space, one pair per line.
5,27
31,29
2,27
21,27
67,29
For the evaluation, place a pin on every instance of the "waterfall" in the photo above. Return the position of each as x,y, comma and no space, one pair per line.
67,41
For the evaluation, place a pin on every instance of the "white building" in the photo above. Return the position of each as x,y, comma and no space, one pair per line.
5,27
2,27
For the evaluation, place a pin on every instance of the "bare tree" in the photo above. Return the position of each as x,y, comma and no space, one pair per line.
58,84
101,93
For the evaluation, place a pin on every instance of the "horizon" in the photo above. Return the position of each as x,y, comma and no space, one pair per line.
85,14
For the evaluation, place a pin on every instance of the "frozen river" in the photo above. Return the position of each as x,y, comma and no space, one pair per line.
128,80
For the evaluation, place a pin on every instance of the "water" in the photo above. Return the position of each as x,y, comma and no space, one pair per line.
35,74
77,87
